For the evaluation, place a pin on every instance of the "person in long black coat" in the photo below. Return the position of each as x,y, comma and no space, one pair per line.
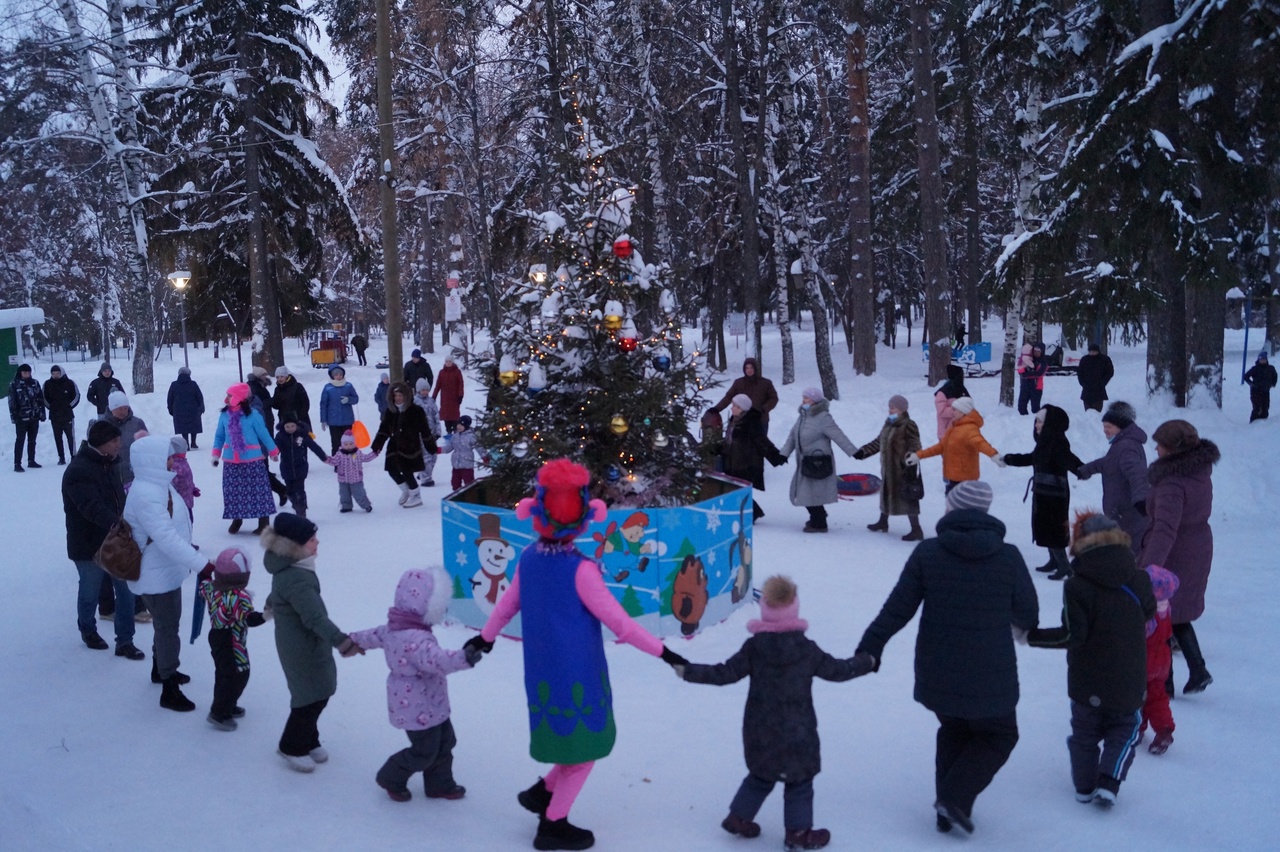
186,407
1094,372
62,396
974,588
1050,462
779,726
1261,378
405,432
746,447
290,396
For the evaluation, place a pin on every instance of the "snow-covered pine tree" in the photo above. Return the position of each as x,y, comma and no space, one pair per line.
587,370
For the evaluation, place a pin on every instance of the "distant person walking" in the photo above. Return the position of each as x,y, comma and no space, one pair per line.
27,411
417,368
763,396
360,343
100,388
448,391
1094,372
62,396
1261,378
186,407
1031,370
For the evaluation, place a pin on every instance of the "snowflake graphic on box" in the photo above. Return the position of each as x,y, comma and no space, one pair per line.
713,521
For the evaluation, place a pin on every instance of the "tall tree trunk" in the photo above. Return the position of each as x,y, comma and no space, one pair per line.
782,302
1012,328
746,164
937,289
971,270
266,345
1273,260
860,303
1026,219
388,175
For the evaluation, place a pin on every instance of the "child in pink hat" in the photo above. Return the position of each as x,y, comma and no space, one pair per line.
231,614
1155,709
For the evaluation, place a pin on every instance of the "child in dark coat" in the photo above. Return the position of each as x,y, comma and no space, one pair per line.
1155,709
231,614
1106,603
779,727
294,441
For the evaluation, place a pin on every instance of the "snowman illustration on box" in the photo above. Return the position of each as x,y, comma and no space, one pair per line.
496,554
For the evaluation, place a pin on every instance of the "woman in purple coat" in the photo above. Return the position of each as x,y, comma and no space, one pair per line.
1180,538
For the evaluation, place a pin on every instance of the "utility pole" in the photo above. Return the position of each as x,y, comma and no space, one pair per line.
387,172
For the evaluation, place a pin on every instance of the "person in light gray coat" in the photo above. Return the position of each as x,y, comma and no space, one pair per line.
812,435
1124,472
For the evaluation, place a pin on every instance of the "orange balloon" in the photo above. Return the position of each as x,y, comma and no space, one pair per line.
361,435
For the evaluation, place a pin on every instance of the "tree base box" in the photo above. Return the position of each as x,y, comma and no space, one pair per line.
674,569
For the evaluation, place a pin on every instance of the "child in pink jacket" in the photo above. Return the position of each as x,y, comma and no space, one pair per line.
183,480
350,462
417,695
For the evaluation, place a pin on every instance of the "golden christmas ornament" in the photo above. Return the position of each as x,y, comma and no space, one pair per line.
619,425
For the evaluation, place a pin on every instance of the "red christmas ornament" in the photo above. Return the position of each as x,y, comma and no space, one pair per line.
622,247
628,344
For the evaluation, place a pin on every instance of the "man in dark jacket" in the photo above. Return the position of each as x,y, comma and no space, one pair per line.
417,368
186,407
1094,372
761,391
360,343
27,411
61,396
1105,607
258,382
976,591
1261,378
93,500
101,387
290,396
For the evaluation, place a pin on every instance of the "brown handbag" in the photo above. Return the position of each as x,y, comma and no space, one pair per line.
119,554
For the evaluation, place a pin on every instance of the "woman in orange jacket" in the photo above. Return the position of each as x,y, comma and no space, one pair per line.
960,446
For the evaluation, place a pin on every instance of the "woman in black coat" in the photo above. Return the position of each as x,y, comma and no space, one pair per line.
746,446
1050,462
405,432
186,407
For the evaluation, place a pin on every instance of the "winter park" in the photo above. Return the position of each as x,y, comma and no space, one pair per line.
416,407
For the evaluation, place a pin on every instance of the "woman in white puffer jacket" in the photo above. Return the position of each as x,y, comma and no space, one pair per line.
168,557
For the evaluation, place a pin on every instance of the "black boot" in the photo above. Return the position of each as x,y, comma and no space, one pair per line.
263,523
235,526
181,678
562,834
881,525
171,697
1190,645
536,799
916,533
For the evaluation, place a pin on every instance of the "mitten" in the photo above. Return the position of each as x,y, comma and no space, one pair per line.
998,458
473,655
911,460
206,573
214,461
345,400
673,659
859,455
1141,507
478,643
1019,635
195,492
348,647
864,663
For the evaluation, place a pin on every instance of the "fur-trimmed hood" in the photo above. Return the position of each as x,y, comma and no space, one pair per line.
1082,543
286,550
1195,461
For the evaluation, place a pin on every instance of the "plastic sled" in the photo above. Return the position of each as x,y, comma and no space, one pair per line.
850,485
361,434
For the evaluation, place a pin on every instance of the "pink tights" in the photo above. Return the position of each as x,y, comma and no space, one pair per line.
565,782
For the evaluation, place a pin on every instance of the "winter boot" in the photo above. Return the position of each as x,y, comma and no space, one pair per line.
263,523
221,724
457,791
302,763
93,640
181,678
393,793
806,838
414,499
34,465
1161,743
277,487
740,826
171,697
1190,645
404,493
130,652
916,533
1108,789
235,526
957,817
536,799
562,834
881,525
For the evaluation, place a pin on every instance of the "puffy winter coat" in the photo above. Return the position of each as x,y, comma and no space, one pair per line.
61,396
1124,482
1105,606
973,587
449,390
429,408
764,398
414,370
26,400
1052,457
417,693
380,397
1179,537
897,438
92,500
350,465
1093,374
405,434
463,447
101,387
952,388
293,452
257,441
129,428
813,434
746,447
161,527
262,401
1031,369
779,725
291,399
186,406
305,637
959,447
1261,378
333,411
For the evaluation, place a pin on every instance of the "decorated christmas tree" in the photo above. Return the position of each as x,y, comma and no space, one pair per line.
592,365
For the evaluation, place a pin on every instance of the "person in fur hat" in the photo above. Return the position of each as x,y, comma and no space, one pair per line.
405,433
1155,709
898,436
959,446
779,726
222,587
1106,603
1180,538
305,637
1050,462
563,603
417,694
746,446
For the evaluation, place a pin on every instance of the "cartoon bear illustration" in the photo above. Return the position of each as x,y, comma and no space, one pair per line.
742,579
496,553
689,594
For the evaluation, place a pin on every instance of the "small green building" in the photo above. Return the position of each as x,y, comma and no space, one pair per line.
11,322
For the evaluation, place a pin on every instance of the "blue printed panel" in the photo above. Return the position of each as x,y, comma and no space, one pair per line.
675,570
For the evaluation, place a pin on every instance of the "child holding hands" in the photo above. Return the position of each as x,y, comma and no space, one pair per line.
779,727
1155,707
417,695
349,462
462,443
231,614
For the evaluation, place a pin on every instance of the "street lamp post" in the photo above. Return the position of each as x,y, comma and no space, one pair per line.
179,281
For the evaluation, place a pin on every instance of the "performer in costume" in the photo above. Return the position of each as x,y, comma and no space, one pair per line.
563,600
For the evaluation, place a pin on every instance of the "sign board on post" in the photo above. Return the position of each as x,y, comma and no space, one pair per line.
452,281
452,306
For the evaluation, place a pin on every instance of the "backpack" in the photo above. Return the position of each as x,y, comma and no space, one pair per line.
119,554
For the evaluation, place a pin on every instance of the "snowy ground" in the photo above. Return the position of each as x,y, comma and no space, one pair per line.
90,762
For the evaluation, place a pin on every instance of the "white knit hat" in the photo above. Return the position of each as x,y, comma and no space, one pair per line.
974,494
742,401
962,405
117,399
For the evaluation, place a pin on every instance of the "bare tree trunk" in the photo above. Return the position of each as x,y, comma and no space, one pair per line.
971,270
266,345
1012,328
860,303
746,164
782,302
1273,260
937,289
1026,218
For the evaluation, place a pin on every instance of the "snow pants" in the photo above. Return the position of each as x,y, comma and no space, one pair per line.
349,491
969,754
797,801
301,730
228,680
1117,732
430,752
1029,395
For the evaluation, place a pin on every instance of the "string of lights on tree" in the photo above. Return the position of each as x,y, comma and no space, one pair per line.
593,365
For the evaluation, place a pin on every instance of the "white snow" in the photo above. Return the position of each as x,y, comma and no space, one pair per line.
90,762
